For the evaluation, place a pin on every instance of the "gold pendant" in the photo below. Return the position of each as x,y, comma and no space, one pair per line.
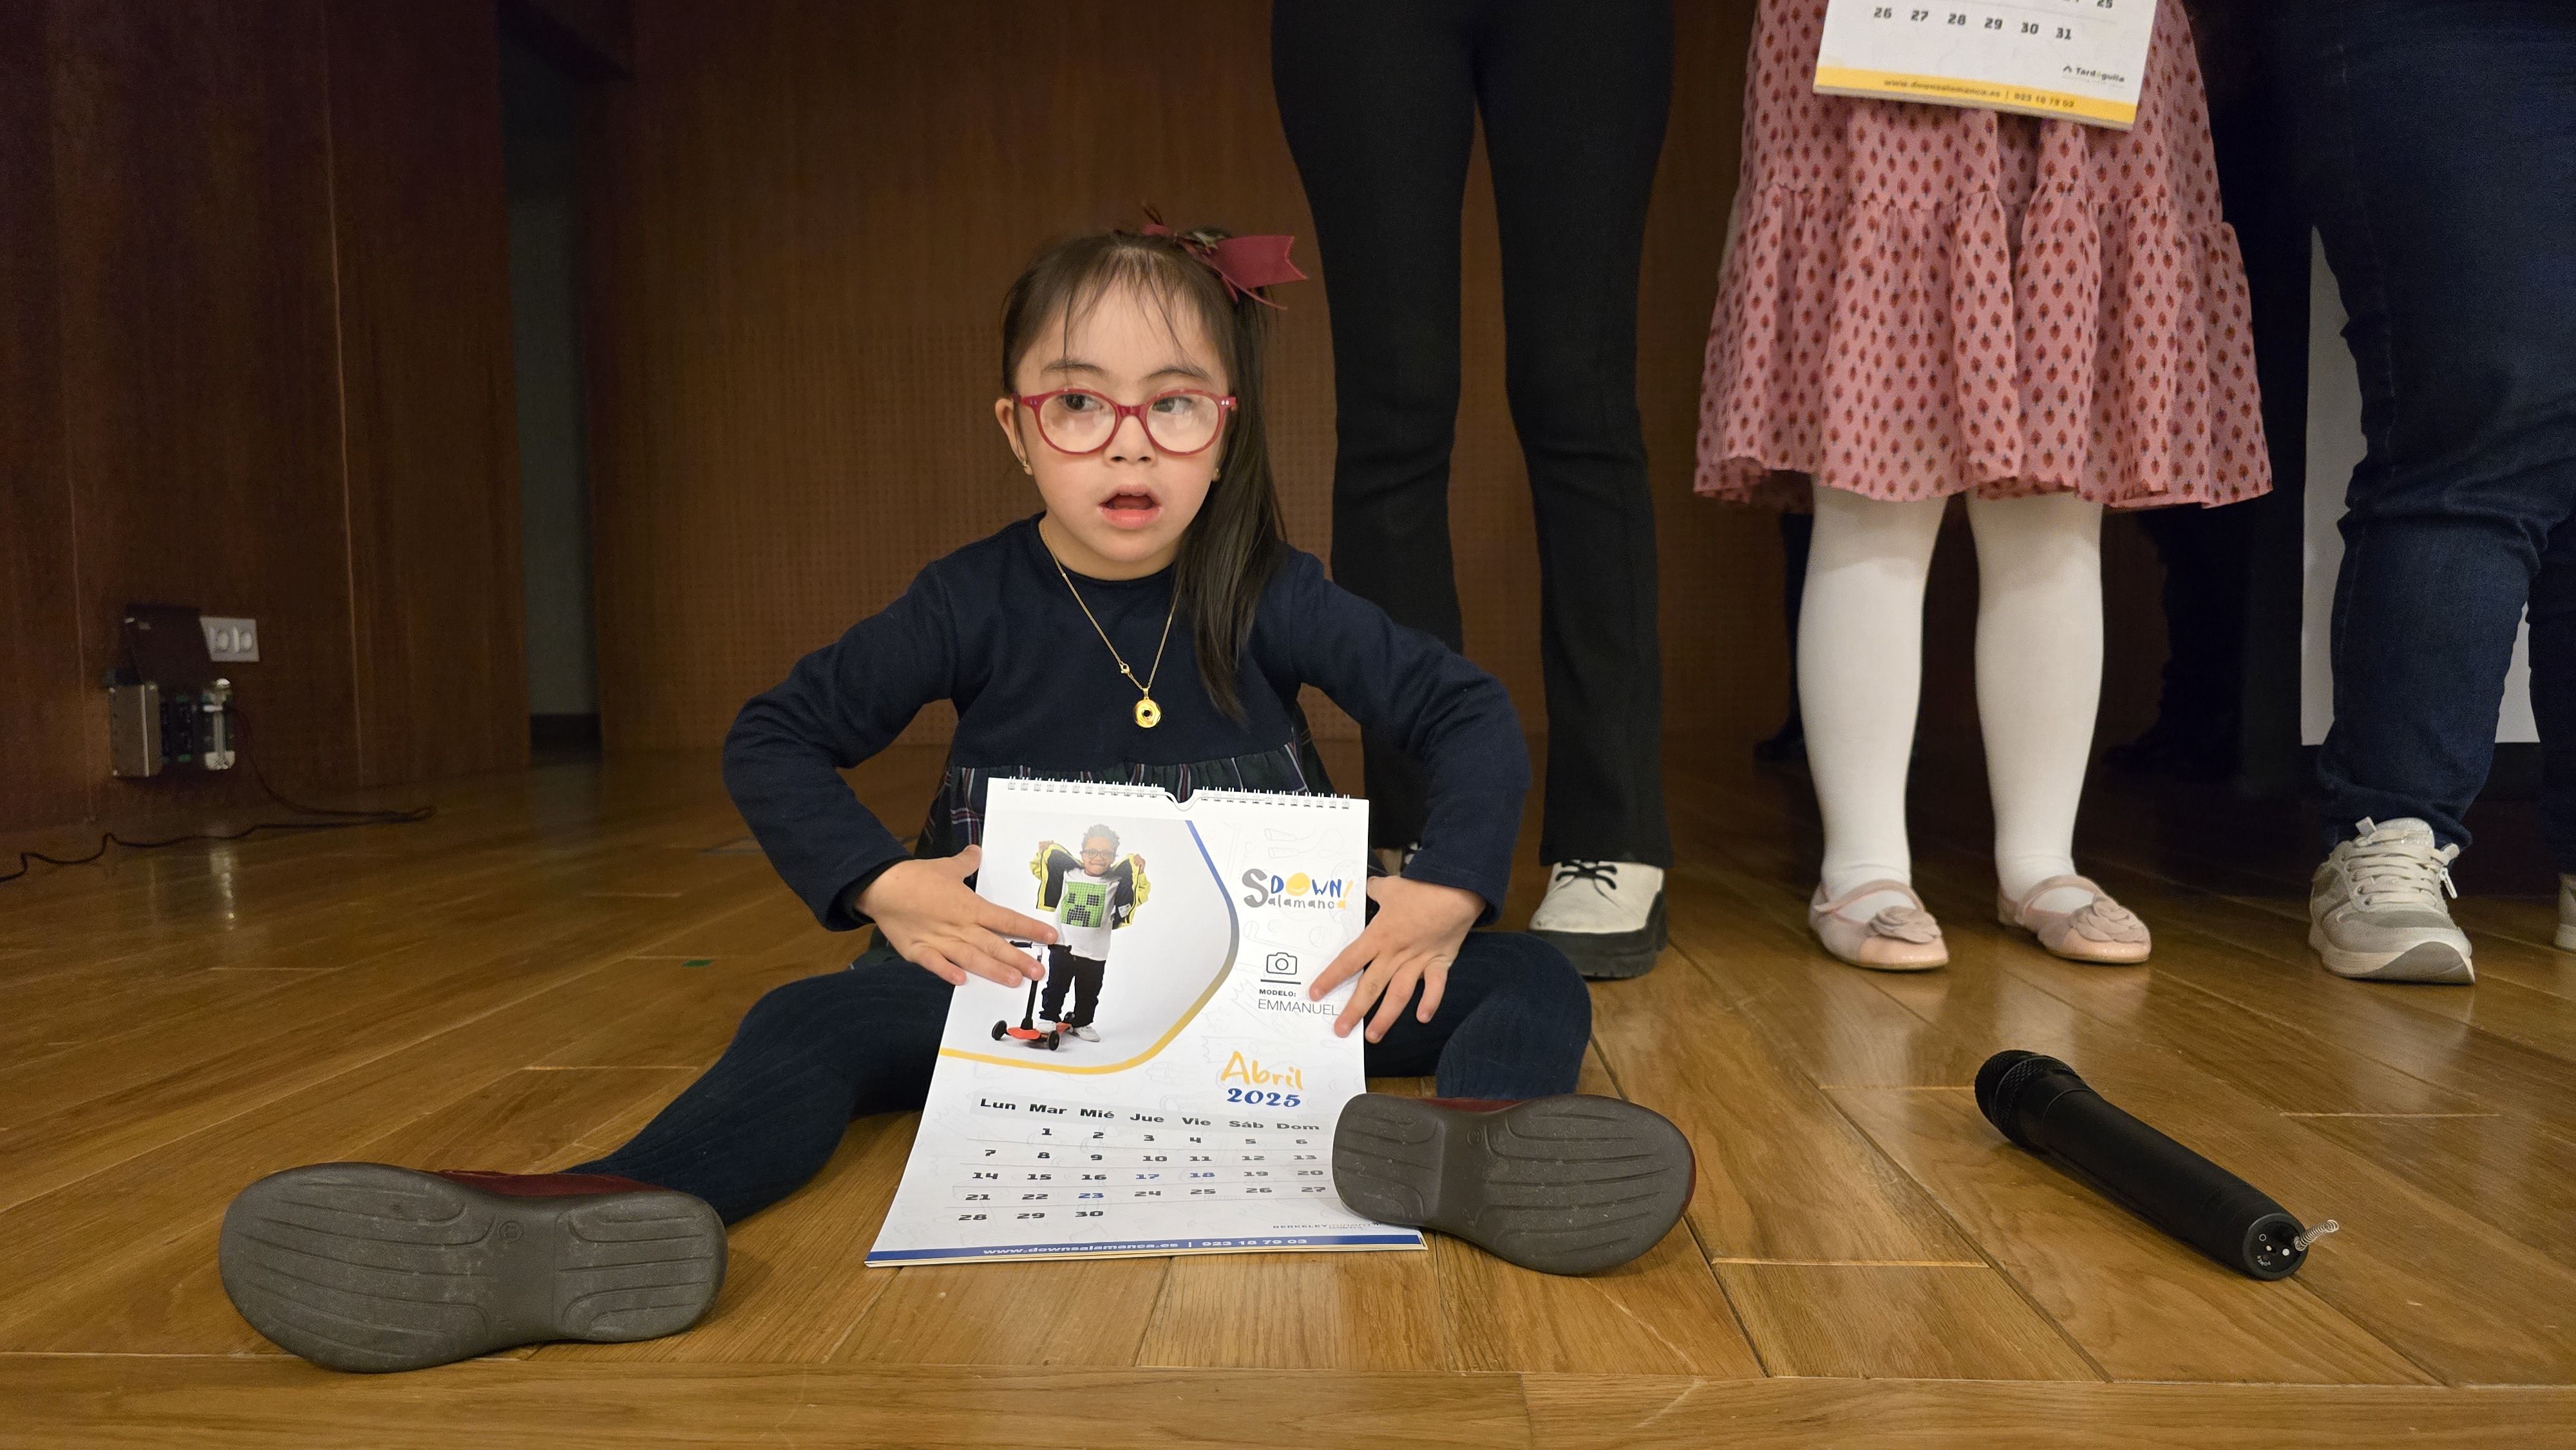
1148,714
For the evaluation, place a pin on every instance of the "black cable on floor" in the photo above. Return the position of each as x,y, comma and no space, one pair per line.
341,820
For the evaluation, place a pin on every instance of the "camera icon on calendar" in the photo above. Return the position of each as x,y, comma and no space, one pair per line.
1280,964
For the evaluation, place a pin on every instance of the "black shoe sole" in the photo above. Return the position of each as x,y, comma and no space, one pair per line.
1611,957
1564,1185
364,1266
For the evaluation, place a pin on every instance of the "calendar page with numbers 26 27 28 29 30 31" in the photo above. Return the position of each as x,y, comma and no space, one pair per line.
2073,60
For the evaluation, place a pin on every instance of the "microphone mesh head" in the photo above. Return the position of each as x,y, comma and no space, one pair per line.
1999,1087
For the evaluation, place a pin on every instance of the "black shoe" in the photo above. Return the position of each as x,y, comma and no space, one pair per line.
1572,1184
364,1266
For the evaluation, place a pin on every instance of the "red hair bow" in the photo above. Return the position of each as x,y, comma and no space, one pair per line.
1243,262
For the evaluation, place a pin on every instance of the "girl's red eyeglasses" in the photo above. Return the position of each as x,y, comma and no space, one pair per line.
1079,421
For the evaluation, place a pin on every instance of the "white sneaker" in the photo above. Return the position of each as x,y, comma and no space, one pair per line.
1607,915
2375,909
2566,938
1084,1032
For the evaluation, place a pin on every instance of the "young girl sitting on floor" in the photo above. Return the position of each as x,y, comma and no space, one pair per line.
1150,626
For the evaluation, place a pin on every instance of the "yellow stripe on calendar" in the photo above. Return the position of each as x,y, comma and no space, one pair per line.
1886,85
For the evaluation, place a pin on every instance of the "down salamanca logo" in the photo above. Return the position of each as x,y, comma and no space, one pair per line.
1299,892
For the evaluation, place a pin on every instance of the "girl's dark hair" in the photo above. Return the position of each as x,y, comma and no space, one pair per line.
1231,548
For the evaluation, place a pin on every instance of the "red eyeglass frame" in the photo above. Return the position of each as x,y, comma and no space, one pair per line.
1121,412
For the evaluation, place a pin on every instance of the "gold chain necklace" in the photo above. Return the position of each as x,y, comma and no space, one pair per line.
1148,714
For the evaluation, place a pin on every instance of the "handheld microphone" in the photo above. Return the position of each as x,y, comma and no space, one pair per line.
2040,1104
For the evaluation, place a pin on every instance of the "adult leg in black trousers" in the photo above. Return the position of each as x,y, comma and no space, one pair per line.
2207,554
1574,99
1379,102
2552,614
2199,712
1788,744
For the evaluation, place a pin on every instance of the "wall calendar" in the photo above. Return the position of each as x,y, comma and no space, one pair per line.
2071,60
1168,1087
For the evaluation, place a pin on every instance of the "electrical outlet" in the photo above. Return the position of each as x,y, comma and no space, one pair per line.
231,639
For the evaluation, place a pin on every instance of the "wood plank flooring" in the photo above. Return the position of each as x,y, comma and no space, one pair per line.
522,981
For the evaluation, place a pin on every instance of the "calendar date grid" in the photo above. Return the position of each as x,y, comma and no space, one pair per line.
1015,1170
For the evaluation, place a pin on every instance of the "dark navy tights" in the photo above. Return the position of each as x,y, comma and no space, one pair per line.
817,1052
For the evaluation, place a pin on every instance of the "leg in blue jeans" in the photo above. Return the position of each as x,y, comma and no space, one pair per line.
814,1054
2436,147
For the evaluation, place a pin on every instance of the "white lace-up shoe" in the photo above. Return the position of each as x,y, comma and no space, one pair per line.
2375,909
1607,915
2566,938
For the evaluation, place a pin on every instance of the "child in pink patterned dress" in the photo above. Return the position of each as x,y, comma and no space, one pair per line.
2047,316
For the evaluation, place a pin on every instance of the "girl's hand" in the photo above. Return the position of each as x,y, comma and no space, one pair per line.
1414,939
926,912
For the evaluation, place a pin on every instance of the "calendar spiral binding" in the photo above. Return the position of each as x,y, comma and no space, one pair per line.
1121,790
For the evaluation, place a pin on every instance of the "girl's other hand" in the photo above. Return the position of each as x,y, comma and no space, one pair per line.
1414,939
927,912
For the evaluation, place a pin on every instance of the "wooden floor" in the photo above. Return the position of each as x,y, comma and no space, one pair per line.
522,981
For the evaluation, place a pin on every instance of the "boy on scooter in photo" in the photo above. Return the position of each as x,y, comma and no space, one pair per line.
1090,895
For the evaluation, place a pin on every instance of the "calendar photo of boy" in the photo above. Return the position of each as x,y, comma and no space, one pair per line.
1089,894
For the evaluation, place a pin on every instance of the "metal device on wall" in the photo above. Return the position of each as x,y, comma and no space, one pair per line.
166,706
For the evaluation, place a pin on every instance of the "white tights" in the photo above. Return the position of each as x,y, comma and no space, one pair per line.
2039,677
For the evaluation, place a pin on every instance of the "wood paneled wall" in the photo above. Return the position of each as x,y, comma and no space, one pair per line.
422,219
257,360
254,355
802,218
40,666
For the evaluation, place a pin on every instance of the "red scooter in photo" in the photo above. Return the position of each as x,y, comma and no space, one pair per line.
1049,1037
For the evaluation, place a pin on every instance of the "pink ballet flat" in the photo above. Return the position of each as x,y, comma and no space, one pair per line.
2101,930
1897,939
